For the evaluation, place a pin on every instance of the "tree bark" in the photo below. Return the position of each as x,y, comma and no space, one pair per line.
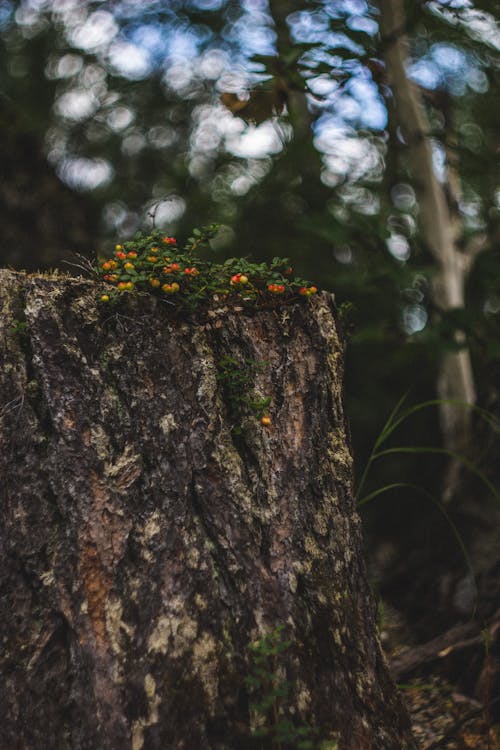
151,532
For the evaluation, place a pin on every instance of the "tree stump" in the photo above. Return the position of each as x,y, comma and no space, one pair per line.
152,529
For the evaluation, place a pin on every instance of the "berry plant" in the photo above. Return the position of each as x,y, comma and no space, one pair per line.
155,263
236,378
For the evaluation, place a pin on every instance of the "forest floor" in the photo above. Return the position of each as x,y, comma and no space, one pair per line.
443,717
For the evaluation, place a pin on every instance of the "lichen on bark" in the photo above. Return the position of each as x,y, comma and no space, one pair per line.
145,544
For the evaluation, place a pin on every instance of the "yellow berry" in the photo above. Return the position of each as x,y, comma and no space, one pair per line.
170,288
105,298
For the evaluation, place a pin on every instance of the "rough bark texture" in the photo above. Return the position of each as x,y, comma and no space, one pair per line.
145,544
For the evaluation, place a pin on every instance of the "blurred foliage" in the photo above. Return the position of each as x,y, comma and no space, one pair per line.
269,118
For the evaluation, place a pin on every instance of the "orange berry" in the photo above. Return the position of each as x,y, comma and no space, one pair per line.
170,288
312,290
106,266
276,288
129,265
155,283
265,421
132,254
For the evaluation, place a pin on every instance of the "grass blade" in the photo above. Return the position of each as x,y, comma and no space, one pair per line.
444,452
443,511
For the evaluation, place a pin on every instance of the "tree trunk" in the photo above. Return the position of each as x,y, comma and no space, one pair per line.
152,529
439,227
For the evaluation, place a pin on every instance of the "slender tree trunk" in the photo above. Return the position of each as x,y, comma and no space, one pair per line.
151,531
438,225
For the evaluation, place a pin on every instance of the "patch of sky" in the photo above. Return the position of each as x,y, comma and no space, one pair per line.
363,23
130,9
252,36
306,26
373,113
183,42
6,14
76,105
341,8
151,37
95,33
426,74
207,4
130,61
444,64
414,319
256,142
81,173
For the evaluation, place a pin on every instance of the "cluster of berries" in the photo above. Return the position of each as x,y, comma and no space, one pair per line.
306,291
276,288
152,261
156,263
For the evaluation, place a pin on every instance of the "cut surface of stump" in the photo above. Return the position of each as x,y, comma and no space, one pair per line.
153,528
